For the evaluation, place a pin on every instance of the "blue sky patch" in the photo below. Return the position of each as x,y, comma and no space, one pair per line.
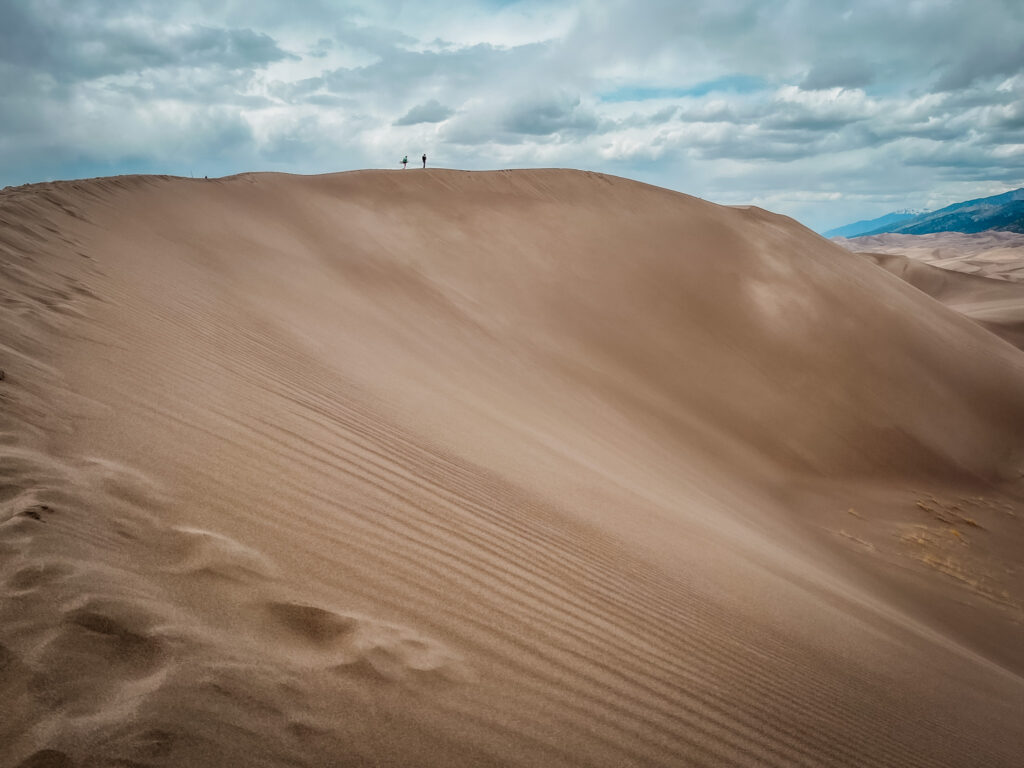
727,84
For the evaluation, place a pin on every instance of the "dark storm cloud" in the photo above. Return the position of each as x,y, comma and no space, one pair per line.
432,111
73,48
537,117
842,73
998,58
548,114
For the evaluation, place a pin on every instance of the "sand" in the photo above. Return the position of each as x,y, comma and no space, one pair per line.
995,304
530,468
994,253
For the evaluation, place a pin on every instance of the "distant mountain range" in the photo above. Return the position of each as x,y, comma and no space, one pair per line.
871,225
1005,212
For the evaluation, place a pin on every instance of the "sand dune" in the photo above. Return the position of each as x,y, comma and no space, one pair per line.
531,468
994,253
997,305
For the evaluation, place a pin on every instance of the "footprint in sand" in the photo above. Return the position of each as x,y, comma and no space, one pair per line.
19,528
101,647
47,758
360,646
318,626
37,512
32,577
202,552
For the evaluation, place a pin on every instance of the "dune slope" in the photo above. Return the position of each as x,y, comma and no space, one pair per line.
518,468
997,305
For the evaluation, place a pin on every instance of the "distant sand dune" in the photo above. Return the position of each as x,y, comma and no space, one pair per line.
994,254
523,468
997,305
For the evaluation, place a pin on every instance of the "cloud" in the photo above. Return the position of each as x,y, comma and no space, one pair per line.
75,49
838,73
806,106
999,56
534,117
795,107
479,66
321,48
431,111
544,115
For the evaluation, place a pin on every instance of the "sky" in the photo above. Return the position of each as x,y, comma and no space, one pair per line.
827,111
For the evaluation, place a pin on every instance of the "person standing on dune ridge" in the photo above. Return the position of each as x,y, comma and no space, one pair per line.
424,159
405,162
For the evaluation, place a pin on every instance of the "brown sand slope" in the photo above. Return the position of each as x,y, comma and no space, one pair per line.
532,468
994,253
997,305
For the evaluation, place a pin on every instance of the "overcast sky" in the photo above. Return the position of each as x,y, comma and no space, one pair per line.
825,111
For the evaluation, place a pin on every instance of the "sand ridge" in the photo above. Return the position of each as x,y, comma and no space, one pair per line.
995,254
997,305
512,468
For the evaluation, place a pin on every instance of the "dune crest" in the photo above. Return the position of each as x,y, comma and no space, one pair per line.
512,468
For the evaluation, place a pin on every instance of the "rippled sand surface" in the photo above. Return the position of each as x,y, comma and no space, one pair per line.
528,468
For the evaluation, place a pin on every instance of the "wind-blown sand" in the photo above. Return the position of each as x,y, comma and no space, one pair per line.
531,468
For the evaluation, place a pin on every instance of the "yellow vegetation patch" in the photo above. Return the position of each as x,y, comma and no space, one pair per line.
938,548
856,539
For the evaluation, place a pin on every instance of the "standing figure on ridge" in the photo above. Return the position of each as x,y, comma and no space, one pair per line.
424,159
405,162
